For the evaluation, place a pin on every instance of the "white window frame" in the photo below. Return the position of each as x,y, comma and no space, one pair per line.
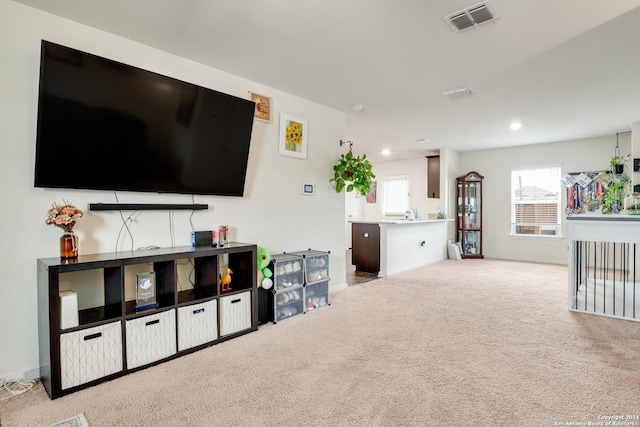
553,185
394,204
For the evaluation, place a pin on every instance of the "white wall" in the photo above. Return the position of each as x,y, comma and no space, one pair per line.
449,167
273,213
496,165
417,171
635,152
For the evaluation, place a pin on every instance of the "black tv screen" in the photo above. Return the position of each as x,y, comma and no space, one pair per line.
105,125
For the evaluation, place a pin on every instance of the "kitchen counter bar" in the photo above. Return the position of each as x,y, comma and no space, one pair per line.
390,247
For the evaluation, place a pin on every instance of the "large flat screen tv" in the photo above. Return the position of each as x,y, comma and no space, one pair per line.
105,125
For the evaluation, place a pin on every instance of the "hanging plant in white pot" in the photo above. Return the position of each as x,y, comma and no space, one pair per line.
353,173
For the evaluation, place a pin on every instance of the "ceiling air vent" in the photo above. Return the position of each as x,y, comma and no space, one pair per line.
473,15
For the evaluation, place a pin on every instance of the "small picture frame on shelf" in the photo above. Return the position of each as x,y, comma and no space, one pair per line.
145,291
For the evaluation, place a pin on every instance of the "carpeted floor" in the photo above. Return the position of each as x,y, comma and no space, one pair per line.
457,343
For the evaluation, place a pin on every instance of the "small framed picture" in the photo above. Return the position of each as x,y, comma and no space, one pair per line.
293,136
371,195
263,107
145,291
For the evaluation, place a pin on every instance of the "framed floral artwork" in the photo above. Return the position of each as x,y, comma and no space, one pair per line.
293,136
263,107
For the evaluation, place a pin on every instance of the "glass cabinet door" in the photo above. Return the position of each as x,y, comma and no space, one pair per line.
469,214
472,243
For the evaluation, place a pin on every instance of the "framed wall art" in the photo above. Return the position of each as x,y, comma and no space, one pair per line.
263,107
292,141
371,195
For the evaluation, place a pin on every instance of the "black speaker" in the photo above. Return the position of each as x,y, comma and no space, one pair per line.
202,238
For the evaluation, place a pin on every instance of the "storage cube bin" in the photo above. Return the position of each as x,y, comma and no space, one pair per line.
151,338
316,265
197,324
316,295
235,313
288,271
89,354
293,308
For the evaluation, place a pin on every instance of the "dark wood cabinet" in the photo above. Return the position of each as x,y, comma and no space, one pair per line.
111,338
365,247
469,215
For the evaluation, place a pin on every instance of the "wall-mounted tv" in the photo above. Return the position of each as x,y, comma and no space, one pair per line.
105,125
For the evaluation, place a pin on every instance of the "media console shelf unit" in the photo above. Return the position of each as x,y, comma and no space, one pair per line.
111,338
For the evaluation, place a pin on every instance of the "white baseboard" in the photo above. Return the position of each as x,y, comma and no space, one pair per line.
335,288
31,374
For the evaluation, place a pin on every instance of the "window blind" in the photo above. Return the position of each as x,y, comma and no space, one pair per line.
395,194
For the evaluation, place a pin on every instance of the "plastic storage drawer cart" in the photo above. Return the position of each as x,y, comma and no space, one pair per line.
316,278
151,338
89,354
197,324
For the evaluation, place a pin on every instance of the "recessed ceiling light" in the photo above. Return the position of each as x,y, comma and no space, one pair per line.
386,152
516,126
423,140
357,107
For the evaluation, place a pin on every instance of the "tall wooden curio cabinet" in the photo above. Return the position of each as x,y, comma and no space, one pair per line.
469,221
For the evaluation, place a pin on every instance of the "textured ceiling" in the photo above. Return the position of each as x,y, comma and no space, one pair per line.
566,69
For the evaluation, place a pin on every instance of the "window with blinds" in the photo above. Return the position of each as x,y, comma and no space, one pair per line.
395,194
535,201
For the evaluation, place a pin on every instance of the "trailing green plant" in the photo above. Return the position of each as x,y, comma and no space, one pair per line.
353,173
618,185
614,194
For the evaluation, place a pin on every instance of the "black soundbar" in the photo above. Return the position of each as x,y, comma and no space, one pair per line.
144,207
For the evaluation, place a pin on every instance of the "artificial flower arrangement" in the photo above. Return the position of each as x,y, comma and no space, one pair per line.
63,216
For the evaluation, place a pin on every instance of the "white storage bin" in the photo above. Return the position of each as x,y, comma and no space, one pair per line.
89,354
151,338
197,324
235,313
